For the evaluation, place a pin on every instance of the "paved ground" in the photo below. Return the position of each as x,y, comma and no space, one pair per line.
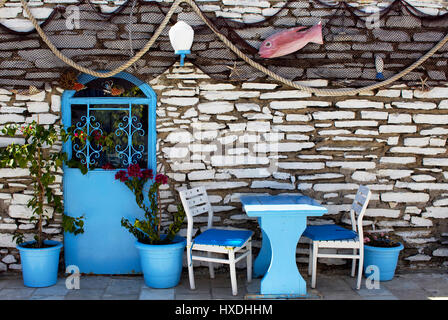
421,285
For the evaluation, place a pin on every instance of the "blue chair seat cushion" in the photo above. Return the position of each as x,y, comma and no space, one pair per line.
329,232
222,237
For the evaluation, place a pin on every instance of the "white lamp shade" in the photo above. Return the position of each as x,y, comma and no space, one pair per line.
181,36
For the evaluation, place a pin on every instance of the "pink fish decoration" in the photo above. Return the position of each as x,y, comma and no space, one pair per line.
289,41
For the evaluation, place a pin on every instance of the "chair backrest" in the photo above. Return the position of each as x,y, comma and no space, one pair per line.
195,202
358,209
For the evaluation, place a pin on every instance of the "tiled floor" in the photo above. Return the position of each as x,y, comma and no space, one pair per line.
420,285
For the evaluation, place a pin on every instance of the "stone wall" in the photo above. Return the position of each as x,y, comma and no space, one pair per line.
262,137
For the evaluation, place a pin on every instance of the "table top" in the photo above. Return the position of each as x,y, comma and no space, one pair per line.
256,205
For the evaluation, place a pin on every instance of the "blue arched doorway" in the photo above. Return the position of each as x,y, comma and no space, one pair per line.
119,115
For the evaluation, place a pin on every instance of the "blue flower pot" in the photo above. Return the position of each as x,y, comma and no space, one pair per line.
384,258
162,263
40,265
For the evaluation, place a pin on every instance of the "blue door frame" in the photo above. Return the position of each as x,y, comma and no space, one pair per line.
105,247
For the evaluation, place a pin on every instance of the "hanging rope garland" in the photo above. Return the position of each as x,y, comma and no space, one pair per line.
230,45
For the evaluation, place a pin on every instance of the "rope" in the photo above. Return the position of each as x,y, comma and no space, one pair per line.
124,66
328,92
231,46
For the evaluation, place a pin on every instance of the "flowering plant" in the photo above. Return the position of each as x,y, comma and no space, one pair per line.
379,240
43,162
148,231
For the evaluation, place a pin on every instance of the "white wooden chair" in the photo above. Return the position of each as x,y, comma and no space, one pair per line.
336,237
236,244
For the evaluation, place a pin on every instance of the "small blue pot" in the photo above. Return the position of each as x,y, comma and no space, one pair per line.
384,258
162,263
40,265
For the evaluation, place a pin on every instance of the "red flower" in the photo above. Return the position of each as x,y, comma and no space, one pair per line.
147,174
108,166
161,178
135,171
96,135
121,175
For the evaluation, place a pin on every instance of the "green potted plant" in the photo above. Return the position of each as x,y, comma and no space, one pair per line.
160,250
39,257
382,251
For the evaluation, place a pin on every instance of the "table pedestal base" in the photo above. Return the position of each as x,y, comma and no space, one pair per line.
282,278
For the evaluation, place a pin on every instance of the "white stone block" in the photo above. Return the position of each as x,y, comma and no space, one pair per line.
216,86
418,105
404,197
431,118
434,131
417,150
390,93
437,142
207,126
201,175
354,165
416,142
363,176
244,107
249,173
331,115
267,184
298,117
434,93
216,107
219,185
55,103
399,118
297,104
301,165
11,118
397,160
180,101
440,252
175,152
282,147
358,123
355,103
12,173
43,118
285,94
436,212
397,129
421,222
237,160
6,240
258,126
375,115
37,107
329,187
320,176
259,86
229,95
293,128
443,104
379,212
179,137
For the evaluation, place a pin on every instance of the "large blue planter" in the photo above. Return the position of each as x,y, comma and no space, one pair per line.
162,264
384,258
40,266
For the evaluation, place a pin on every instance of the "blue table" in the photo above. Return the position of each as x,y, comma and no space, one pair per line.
282,220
